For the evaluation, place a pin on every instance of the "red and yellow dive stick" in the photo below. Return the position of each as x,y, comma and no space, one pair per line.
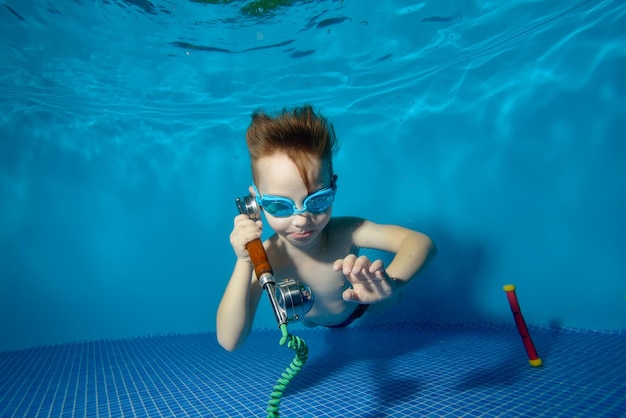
533,358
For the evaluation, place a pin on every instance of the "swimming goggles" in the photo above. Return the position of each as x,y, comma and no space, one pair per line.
281,207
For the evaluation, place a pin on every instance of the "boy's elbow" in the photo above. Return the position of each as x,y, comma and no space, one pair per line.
229,347
431,248
422,241
427,247
227,342
229,337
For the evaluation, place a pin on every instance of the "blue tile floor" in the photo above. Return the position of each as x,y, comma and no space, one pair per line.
392,371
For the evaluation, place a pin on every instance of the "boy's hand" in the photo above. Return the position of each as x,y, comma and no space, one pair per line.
370,282
244,231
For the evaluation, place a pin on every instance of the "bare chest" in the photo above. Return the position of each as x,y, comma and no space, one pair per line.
326,285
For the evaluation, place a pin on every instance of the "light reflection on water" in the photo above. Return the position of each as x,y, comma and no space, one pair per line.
117,67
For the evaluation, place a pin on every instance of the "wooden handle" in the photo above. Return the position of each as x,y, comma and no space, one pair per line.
259,258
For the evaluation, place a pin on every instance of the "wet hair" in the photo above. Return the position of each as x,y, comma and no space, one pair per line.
301,134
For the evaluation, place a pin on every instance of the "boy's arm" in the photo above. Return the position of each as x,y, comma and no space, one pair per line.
412,251
237,308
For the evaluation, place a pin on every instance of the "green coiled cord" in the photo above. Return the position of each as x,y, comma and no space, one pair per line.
302,353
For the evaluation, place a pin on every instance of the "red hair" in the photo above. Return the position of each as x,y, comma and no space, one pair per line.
300,134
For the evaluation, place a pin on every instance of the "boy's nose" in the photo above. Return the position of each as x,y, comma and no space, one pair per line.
301,219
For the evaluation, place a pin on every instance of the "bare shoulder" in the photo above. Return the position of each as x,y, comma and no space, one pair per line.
349,228
345,223
340,233
358,231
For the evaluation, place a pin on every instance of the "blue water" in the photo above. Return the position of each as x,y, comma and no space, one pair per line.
495,127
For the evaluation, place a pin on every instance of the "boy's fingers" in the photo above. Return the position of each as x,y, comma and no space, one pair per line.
376,265
338,264
349,295
348,264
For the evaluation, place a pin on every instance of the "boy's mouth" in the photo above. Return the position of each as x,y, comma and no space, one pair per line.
301,235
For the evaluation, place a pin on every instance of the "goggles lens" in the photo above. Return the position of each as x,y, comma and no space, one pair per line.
281,207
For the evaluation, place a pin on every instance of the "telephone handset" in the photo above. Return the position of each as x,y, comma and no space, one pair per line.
290,300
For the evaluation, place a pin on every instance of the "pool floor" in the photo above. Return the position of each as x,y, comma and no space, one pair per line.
391,371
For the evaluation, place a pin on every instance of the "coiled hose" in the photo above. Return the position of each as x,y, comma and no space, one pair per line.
302,353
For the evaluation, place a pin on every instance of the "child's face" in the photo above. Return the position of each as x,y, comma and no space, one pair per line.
279,176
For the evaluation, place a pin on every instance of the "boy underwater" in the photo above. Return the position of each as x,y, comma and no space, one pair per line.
295,185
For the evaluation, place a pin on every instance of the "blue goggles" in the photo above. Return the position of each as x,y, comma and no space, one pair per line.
281,207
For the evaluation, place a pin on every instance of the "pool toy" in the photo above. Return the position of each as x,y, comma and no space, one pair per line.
290,300
533,358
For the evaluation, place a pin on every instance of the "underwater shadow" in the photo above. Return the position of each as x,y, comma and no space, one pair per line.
502,374
546,341
443,293
363,354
